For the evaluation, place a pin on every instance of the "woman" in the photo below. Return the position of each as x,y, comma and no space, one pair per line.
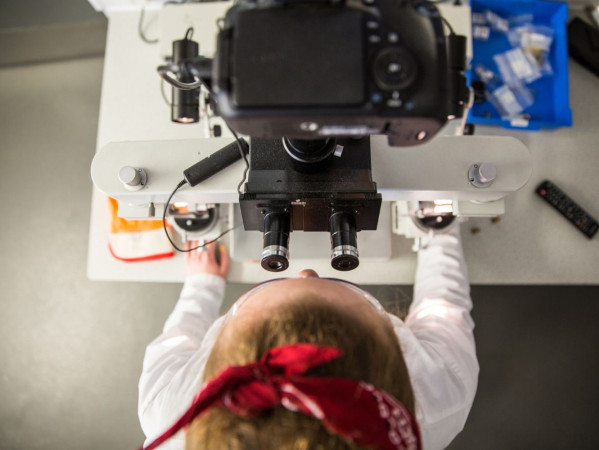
426,366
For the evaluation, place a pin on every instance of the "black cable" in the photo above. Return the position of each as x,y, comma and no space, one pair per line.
141,20
438,2
164,97
182,183
448,25
140,30
162,71
247,164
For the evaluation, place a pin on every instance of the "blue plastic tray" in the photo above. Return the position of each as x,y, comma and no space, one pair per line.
552,106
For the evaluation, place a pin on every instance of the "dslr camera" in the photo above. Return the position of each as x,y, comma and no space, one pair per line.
313,69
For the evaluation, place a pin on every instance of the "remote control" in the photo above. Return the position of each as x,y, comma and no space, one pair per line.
568,208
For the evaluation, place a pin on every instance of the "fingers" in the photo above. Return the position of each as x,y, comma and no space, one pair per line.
210,252
211,258
190,256
200,255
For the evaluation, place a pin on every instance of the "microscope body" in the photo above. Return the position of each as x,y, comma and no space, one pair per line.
335,195
311,127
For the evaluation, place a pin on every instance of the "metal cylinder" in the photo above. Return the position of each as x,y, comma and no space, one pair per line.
344,241
310,156
275,244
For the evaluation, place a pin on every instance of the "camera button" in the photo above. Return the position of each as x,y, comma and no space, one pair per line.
374,39
372,25
393,68
393,38
376,97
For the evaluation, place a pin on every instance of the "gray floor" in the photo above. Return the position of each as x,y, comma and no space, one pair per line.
72,349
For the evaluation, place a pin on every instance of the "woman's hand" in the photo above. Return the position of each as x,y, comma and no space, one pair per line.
205,260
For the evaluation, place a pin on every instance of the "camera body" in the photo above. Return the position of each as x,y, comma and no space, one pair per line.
317,69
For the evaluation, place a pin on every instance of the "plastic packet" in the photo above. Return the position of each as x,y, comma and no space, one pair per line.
486,75
485,21
481,32
521,20
480,28
496,22
509,101
479,18
531,37
535,40
517,66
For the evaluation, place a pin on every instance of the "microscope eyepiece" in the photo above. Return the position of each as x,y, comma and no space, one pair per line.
344,241
275,253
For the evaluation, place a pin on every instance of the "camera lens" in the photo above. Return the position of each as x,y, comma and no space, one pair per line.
394,69
344,241
309,156
275,253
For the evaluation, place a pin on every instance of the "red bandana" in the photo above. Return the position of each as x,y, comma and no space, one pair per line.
349,408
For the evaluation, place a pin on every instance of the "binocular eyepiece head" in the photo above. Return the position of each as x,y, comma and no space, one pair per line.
344,243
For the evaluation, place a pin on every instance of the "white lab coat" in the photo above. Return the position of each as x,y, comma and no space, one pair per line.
436,340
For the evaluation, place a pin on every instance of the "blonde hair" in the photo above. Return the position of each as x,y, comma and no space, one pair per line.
368,355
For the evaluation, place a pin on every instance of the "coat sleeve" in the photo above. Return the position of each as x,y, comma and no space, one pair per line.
438,341
167,382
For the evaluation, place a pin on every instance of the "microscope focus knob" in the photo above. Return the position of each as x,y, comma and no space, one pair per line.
482,174
133,178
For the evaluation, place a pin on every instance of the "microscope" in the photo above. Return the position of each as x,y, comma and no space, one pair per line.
309,81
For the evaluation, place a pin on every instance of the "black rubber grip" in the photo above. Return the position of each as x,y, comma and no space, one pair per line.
215,162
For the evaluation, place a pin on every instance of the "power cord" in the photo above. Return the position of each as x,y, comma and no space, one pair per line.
168,202
448,25
142,14
140,29
247,164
